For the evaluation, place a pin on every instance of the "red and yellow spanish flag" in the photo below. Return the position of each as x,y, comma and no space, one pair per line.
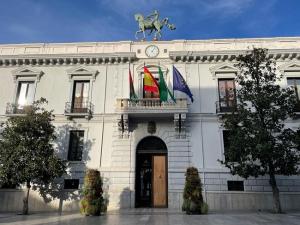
150,84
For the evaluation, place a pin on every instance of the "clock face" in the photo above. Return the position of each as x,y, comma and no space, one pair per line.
152,51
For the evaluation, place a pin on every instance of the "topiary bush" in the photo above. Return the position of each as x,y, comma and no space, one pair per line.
93,202
192,196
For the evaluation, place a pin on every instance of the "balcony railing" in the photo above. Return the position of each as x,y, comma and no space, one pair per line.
16,109
151,105
79,109
225,106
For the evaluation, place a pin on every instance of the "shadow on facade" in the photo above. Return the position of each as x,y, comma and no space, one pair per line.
125,198
68,198
105,187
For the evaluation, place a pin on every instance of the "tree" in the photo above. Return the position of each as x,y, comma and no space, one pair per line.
27,154
192,195
93,202
260,143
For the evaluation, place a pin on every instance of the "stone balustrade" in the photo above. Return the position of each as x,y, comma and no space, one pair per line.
151,105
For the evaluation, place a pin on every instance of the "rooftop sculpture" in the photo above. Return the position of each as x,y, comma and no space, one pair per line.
152,23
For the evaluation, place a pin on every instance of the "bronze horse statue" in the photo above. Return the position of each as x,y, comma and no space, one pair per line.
152,25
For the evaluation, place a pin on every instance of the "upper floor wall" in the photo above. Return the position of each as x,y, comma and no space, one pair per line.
55,68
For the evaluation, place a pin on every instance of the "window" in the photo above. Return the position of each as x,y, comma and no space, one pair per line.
227,98
295,83
226,142
71,183
234,185
80,99
25,95
76,145
8,186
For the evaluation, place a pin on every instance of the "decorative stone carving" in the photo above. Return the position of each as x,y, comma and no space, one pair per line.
123,126
293,66
64,59
82,71
27,72
224,68
151,127
229,56
179,124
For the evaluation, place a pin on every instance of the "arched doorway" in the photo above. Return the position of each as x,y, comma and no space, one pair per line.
151,186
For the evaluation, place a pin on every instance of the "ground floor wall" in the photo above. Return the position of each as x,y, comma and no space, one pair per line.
12,201
114,154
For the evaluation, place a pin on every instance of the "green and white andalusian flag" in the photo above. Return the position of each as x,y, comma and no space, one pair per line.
163,88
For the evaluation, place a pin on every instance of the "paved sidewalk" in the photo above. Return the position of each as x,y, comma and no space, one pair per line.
154,217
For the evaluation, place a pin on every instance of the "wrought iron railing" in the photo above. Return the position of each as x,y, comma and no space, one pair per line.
84,107
150,103
225,106
16,109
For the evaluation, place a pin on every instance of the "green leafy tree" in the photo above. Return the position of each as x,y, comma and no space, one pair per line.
27,154
260,143
192,195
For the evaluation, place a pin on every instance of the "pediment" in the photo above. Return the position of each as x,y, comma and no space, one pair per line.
291,66
223,68
82,71
27,72
153,67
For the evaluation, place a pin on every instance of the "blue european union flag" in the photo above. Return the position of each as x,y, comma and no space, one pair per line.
179,83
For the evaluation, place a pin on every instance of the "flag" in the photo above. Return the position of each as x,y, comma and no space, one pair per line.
150,84
133,96
179,83
163,89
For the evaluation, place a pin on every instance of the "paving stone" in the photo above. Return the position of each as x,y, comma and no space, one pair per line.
154,217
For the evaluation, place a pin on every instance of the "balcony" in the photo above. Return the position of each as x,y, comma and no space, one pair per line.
225,106
151,106
79,109
13,109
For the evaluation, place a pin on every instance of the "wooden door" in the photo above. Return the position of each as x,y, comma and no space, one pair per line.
159,181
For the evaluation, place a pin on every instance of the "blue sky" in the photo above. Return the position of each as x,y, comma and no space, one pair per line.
26,21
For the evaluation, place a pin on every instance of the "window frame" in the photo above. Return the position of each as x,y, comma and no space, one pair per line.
78,185
69,145
223,144
233,187
81,73
19,86
297,107
84,104
227,108
25,74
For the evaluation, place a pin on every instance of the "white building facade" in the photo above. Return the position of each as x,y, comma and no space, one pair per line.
142,148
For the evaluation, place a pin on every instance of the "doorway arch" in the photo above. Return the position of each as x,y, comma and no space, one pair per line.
151,177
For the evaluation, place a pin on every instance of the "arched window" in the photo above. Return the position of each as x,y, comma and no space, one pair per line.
151,145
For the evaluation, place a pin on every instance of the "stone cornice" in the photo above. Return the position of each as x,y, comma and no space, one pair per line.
230,56
66,59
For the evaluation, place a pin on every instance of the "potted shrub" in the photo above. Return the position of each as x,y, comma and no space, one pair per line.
192,196
93,202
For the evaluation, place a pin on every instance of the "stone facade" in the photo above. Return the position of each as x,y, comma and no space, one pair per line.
113,128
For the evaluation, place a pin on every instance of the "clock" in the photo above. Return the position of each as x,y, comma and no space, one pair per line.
152,51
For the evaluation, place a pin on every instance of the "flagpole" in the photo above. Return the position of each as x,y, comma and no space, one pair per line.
173,78
129,72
